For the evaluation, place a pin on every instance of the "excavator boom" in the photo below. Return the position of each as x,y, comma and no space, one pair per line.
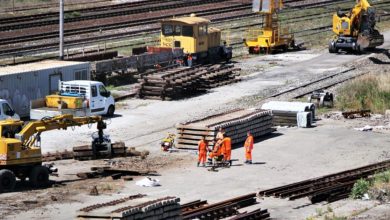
26,135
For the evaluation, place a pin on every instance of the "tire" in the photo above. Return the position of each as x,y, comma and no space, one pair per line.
111,111
332,48
7,180
39,176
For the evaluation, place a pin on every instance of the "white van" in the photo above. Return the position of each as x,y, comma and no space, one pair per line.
91,96
6,111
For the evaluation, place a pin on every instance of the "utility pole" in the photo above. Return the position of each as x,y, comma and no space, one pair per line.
61,29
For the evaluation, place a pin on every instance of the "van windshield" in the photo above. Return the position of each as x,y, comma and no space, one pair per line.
7,109
102,90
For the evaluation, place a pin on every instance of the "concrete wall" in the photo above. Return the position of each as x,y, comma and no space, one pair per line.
20,88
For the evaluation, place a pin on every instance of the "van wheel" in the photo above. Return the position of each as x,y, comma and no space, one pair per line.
39,176
111,111
7,180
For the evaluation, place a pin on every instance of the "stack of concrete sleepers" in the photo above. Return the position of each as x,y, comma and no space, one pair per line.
236,124
291,113
134,207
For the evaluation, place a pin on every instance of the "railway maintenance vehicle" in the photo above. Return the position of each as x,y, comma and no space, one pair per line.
20,151
200,42
355,30
271,37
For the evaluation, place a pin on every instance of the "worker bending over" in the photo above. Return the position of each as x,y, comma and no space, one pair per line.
202,151
248,148
216,152
227,144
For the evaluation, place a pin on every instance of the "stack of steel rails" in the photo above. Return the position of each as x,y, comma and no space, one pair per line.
224,209
183,81
328,188
236,124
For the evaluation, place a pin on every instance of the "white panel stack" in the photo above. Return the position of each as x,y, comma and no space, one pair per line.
286,113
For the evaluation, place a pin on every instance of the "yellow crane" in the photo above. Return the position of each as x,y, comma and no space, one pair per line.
20,151
355,30
271,36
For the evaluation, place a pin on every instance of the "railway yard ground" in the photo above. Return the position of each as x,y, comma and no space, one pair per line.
288,155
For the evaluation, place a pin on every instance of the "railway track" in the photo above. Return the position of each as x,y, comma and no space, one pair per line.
119,25
329,188
229,208
229,14
27,7
9,51
7,24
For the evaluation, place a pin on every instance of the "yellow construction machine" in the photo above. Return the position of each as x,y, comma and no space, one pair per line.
20,152
271,36
355,30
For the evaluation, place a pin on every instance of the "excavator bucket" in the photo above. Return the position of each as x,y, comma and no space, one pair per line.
370,41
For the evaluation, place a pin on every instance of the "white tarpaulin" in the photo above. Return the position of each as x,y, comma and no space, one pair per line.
148,182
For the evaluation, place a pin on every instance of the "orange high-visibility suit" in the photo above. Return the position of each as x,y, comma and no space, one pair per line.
202,148
248,147
217,150
227,142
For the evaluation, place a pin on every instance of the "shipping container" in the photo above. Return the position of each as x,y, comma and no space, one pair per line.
22,83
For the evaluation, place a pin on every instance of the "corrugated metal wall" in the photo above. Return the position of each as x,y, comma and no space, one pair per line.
20,89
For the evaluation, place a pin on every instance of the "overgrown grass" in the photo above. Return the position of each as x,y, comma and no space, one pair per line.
360,188
378,187
73,14
371,91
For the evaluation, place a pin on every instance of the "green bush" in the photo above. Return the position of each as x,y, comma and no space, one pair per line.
360,188
383,177
367,92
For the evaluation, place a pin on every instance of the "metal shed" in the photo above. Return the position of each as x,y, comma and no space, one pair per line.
20,84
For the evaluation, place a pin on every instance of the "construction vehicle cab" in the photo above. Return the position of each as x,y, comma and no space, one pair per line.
20,151
196,37
6,111
271,36
355,30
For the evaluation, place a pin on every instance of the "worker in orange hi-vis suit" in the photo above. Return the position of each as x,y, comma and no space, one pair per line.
202,151
227,142
248,148
216,151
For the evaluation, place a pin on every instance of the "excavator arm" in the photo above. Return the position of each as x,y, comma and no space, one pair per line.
355,30
31,131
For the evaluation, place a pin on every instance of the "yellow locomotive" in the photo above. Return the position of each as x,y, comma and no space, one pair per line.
198,41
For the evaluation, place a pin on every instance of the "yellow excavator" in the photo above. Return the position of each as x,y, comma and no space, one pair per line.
271,36
20,152
355,30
